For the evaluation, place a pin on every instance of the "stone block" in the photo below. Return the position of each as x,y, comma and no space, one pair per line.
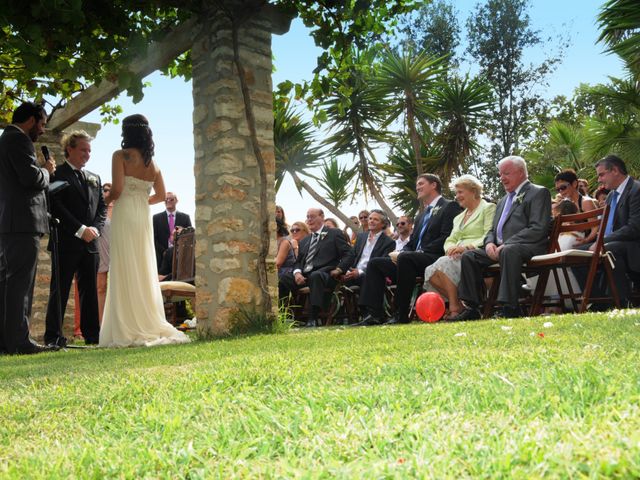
220,265
233,291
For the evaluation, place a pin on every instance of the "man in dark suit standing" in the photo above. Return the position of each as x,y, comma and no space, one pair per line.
622,233
82,213
520,230
318,254
165,223
23,221
426,245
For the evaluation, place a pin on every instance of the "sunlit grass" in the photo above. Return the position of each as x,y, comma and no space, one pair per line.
392,402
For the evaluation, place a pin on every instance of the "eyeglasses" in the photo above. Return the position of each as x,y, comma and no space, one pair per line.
106,190
363,218
562,188
401,224
296,230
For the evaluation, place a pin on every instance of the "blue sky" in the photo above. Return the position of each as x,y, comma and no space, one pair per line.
168,104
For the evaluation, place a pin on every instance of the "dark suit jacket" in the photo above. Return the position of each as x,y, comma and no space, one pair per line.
333,251
529,220
383,246
23,207
161,230
438,229
626,222
76,206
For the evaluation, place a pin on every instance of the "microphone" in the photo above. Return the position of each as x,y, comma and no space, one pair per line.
45,153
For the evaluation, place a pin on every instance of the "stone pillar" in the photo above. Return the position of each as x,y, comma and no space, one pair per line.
226,169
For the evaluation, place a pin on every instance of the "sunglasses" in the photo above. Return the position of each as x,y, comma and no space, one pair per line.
401,224
562,188
296,230
106,190
364,218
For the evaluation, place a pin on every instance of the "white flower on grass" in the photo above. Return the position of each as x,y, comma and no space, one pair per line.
506,328
547,324
461,334
532,334
577,325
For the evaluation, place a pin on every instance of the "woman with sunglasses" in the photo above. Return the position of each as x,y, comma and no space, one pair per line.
567,187
298,231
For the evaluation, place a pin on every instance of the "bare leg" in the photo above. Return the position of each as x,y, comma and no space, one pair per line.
102,293
446,287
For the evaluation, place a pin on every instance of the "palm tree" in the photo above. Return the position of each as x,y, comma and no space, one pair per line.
461,105
618,131
354,118
401,172
335,180
403,81
620,24
296,153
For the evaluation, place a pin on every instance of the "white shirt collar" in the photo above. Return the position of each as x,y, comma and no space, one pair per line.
519,187
434,202
171,213
376,236
623,185
16,126
72,167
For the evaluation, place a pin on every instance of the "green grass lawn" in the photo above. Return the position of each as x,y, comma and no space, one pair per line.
380,402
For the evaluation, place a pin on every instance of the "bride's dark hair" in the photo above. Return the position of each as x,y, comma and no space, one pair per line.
137,134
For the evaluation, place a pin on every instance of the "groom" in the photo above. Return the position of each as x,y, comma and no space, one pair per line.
82,212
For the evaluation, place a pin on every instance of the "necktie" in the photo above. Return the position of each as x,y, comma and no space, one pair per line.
425,223
172,226
313,248
503,216
80,177
612,211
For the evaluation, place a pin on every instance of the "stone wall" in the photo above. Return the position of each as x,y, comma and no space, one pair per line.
226,170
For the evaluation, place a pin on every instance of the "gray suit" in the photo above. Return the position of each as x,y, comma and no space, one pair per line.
525,234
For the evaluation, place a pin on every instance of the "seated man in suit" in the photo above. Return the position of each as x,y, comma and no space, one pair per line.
520,230
431,229
622,233
165,224
371,244
318,254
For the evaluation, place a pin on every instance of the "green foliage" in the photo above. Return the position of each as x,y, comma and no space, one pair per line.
499,32
248,320
335,180
620,24
433,28
293,141
469,400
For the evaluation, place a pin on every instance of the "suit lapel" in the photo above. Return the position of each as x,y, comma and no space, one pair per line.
73,179
523,191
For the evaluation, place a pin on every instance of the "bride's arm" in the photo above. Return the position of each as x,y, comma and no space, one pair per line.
158,190
117,175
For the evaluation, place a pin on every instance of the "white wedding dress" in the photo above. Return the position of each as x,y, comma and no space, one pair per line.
134,310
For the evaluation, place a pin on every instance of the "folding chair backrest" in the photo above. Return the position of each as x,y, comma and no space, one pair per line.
581,222
184,265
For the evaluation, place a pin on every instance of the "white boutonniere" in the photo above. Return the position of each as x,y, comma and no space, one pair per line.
92,180
435,211
520,198
322,235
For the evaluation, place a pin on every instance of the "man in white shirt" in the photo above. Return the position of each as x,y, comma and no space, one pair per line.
403,229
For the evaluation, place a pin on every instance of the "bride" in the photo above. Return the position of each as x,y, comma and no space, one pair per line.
134,310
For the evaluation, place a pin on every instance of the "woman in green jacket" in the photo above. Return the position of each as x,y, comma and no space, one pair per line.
469,230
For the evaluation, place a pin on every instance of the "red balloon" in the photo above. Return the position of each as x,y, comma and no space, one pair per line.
430,307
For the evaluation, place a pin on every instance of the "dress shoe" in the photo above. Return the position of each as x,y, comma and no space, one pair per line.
466,315
311,323
34,348
509,311
91,341
367,321
395,320
60,342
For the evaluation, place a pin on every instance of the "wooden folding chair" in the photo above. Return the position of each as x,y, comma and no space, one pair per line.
563,260
181,287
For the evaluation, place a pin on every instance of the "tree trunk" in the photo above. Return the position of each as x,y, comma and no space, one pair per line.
322,201
414,138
